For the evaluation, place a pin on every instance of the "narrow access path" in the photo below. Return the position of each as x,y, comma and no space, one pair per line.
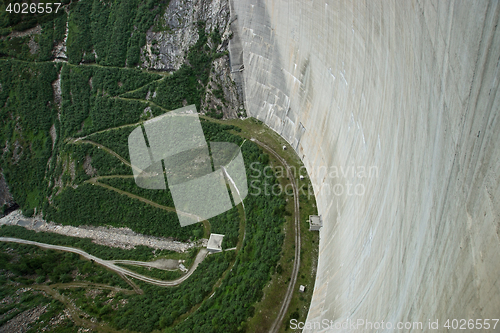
105,130
143,101
95,181
109,264
163,264
296,264
106,149
77,315
84,284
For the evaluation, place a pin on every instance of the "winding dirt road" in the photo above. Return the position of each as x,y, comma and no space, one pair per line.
95,181
109,263
296,264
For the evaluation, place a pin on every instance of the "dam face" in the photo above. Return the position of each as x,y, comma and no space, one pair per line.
400,100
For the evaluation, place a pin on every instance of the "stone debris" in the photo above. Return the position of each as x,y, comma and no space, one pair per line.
56,88
55,321
93,293
59,50
37,30
21,322
33,45
5,195
166,49
88,168
123,238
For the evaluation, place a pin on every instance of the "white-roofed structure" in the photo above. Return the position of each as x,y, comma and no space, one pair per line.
215,243
315,222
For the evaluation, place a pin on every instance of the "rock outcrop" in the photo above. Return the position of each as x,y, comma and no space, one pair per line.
177,31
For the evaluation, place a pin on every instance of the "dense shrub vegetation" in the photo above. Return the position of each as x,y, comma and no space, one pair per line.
88,97
101,100
94,205
10,21
233,301
110,33
27,113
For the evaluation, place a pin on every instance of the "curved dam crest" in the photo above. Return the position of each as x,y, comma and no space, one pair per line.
411,89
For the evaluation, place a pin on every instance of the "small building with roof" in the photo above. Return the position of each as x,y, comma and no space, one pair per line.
215,243
315,222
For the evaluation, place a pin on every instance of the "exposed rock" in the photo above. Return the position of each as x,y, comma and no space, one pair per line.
59,51
5,195
56,88
147,113
21,322
29,32
53,135
17,152
33,45
166,49
89,169
109,236
221,85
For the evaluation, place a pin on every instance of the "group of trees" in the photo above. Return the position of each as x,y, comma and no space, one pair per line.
116,140
11,21
39,266
162,197
160,307
27,113
27,265
88,98
36,47
227,224
93,100
233,302
215,132
94,205
110,33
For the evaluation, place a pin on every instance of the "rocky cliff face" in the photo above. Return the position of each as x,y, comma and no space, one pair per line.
168,42
175,31
222,97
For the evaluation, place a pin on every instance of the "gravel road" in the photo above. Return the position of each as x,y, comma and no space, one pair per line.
109,263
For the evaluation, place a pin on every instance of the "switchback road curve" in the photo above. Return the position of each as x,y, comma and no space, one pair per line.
109,263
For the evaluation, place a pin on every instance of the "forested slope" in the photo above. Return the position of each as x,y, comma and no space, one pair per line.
72,88
53,94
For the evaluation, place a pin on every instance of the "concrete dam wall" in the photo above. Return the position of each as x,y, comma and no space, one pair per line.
399,102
